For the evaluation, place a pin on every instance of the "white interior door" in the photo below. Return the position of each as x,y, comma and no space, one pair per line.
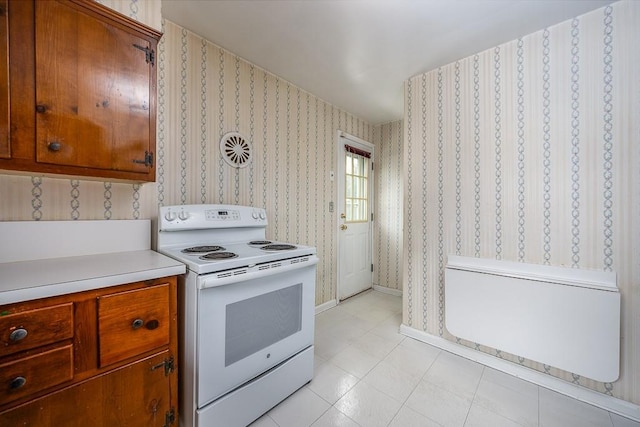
355,202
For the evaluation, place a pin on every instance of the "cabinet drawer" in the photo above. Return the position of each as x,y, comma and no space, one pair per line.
133,322
31,374
33,328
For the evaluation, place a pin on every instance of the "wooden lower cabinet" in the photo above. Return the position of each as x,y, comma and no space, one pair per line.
133,395
106,357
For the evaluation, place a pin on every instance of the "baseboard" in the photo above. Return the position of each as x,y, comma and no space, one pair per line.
326,306
394,292
608,403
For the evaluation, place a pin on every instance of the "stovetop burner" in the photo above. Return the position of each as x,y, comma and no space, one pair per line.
278,247
202,249
259,242
219,256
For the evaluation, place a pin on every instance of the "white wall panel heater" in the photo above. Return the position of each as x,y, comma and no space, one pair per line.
564,317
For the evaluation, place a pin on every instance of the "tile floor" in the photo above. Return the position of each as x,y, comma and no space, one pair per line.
368,375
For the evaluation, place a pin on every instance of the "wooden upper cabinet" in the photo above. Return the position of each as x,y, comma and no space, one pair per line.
5,152
92,111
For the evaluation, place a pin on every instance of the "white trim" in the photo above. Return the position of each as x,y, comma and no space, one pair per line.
595,279
355,139
326,306
389,291
608,403
338,206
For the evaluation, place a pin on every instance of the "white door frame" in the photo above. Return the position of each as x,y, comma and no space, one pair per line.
368,146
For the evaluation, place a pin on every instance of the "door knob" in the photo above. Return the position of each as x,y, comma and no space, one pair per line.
343,227
343,216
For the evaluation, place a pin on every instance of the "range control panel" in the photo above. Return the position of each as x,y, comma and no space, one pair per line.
222,215
193,217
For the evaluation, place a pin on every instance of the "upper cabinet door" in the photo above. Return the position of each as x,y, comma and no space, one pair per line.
5,151
95,91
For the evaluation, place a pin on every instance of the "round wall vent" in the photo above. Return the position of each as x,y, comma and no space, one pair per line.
235,150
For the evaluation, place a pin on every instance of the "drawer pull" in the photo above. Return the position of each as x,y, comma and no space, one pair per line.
18,334
137,324
17,382
54,146
152,324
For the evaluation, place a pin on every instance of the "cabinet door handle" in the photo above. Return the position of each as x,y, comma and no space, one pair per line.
54,146
17,382
152,324
41,108
137,324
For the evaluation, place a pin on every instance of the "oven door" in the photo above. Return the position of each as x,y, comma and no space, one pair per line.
247,327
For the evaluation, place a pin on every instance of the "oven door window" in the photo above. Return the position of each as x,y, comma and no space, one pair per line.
256,323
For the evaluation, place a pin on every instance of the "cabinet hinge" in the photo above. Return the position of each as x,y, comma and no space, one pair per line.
169,417
148,52
148,159
371,216
168,364
372,268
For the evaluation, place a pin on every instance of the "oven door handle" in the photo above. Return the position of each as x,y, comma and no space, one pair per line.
212,282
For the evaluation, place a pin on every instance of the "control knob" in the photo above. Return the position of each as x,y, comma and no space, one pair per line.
170,216
254,215
262,216
183,215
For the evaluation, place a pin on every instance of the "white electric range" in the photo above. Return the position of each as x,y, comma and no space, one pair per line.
247,304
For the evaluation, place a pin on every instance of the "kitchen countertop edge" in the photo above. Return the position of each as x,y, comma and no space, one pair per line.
29,280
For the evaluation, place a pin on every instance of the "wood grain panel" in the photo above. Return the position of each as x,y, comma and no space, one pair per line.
42,326
37,372
119,336
97,106
5,150
134,395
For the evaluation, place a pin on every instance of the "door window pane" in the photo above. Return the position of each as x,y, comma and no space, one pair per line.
356,188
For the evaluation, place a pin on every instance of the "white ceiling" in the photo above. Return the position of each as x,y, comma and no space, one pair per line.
356,54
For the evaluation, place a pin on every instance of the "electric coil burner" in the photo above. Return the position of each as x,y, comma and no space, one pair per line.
278,247
202,249
219,255
247,312
259,242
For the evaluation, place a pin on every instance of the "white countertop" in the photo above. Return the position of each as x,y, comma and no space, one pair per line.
27,280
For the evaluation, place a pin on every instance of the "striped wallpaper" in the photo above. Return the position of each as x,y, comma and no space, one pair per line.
387,238
204,92
529,152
